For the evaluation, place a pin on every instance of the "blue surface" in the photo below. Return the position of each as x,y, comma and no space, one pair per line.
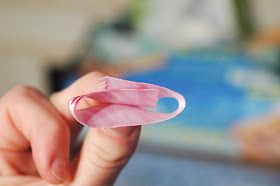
212,100
155,170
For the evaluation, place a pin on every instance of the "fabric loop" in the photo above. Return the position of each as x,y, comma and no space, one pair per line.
124,103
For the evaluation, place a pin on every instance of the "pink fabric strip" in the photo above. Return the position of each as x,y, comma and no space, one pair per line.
124,103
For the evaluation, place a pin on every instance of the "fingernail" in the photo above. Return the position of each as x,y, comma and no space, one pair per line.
59,168
121,131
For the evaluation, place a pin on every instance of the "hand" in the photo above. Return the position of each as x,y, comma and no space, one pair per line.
35,137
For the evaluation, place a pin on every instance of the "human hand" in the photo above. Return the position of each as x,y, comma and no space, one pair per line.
35,137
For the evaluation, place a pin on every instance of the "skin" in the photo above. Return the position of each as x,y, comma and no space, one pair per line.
36,133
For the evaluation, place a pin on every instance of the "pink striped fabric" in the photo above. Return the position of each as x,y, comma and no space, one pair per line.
124,103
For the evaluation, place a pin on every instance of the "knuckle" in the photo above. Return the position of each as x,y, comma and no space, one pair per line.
23,90
19,94
96,74
103,160
110,156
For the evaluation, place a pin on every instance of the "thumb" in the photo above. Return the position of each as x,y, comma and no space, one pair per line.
103,155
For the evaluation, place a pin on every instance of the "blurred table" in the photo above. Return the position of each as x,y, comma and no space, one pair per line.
146,169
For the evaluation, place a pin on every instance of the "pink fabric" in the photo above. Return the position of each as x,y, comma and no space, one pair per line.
124,103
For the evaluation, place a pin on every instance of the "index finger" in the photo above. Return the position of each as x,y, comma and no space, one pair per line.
84,85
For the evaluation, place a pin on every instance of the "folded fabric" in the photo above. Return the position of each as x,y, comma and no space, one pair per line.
124,103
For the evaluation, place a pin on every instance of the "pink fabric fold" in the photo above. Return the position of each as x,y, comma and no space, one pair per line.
124,103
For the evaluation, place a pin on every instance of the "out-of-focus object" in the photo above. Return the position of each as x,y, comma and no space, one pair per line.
260,139
264,14
224,85
155,27
244,17
264,46
181,23
269,37
160,170
50,29
34,34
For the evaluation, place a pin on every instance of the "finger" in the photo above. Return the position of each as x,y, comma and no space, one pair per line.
30,118
104,153
84,85
21,181
17,163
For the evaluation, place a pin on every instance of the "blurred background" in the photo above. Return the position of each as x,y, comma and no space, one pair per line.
223,56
